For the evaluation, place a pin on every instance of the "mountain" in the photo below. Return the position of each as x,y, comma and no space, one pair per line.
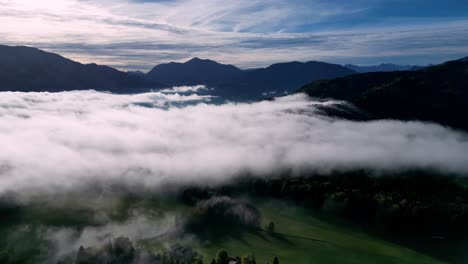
464,59
280,78
384,67
438,93
31,69
235,84
193,72
138,73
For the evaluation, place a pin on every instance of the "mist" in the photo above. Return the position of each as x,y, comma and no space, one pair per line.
60,141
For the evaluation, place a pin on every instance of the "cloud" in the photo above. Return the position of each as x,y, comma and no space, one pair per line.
65,241
136,35
61,141
185,89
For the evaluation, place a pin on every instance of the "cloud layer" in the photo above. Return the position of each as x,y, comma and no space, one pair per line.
55,141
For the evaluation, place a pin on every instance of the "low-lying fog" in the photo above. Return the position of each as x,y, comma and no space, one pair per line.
55,141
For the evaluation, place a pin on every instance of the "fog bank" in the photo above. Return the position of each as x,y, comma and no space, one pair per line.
55,141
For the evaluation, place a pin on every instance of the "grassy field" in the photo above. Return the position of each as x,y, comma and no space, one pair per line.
341,244
300,237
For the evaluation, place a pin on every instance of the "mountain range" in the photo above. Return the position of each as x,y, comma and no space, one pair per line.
437,93
233,83
30,69
280,78
384,67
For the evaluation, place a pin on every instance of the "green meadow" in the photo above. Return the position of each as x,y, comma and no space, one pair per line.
308,239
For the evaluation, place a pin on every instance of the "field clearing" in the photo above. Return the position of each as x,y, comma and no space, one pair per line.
341,244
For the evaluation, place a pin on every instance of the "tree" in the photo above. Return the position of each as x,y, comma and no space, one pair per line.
222,257
213,261
245,260
200,261
271,227
276,261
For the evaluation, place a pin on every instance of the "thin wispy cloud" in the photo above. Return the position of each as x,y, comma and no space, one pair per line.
140,34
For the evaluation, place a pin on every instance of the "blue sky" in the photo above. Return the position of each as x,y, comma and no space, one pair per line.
138,34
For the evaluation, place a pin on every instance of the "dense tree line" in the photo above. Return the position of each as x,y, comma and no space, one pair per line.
222,257
411,202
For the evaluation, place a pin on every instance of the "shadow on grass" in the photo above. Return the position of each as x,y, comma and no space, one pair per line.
282,239
219,233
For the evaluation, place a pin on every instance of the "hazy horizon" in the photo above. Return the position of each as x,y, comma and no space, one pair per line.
248,68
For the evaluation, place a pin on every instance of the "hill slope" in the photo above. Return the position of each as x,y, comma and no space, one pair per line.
438,93
341,244
31,69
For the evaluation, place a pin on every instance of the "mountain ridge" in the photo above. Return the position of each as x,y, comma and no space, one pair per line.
192,72
383,67
437,93
237,84
272,78
30,69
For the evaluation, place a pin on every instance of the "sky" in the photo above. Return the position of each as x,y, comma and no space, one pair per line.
138,34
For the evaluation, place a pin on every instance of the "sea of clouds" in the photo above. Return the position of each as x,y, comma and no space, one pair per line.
55,141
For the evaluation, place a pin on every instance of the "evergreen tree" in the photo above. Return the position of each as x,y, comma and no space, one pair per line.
222,257
276,261
271,227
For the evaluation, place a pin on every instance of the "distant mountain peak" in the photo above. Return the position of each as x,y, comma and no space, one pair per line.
135,73
284,64
193,72
198,60
195,59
